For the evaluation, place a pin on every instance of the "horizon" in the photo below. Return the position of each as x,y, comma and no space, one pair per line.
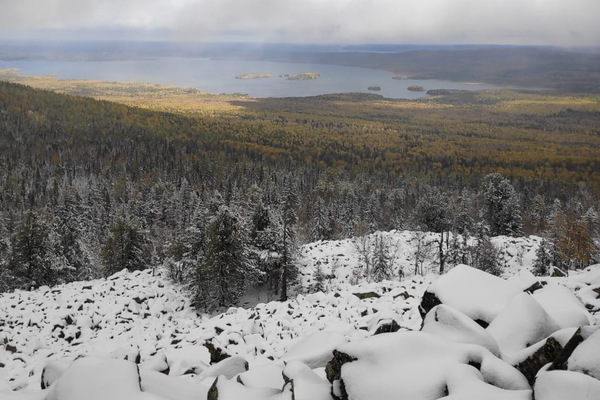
559,23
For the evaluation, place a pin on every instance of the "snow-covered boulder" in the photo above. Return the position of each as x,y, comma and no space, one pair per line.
171,388
466,383
477,294
563,306
304,383
52,371
561,385
315,350
228,368
225,389
412,365
263,374
522,323
586,357
448,323
99,379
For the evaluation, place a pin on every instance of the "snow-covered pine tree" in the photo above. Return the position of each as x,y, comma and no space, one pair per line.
501,206
226,269
434,213
382,259
484,255
125,247
32,261
544,256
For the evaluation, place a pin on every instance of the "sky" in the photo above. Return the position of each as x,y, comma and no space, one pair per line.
520,22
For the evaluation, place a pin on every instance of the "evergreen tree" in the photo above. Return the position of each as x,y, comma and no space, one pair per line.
32,262
319,279
125,247
433,213
484,254
382,260
226,269
501,206
544,256
287,269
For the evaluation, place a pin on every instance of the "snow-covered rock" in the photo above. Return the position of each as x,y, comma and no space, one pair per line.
415,365
561,385
522,323
448,323
563,306
99,379
477,294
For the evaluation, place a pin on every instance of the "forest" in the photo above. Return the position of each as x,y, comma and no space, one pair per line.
224,194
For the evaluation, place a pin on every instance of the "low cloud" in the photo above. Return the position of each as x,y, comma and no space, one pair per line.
549,22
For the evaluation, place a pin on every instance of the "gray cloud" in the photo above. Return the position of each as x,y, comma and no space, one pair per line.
550,22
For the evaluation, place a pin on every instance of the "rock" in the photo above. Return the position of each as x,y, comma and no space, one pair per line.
228,367
412,365
52,371
315,350
428,302
544,355
224,389
586,357
557,272
367,295
446,322
216,353
477,294
267,375
522,323
387,327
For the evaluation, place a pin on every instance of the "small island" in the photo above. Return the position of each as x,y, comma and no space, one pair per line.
374,88
252,75
304,76
416,88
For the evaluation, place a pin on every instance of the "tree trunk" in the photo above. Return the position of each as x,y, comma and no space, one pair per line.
441,251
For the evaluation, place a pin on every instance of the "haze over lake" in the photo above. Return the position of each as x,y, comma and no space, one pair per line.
219,76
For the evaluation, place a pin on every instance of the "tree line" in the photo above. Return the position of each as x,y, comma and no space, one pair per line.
88,188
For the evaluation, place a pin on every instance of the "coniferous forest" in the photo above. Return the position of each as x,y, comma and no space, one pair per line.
90,187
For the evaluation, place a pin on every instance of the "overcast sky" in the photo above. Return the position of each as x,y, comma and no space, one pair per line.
544,22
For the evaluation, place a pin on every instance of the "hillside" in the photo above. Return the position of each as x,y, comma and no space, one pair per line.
145,320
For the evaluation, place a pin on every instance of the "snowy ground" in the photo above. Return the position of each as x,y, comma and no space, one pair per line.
134,335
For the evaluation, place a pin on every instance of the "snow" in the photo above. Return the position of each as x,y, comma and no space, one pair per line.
561,385
415,365
466,383
477,294
170,388
135,335
98,379
522,323
306,384
585,358
316,349
563,306
446,322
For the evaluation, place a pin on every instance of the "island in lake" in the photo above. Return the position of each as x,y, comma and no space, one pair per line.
416,88
374,88
304,76
252,75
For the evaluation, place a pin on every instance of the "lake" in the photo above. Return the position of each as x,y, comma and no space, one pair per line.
218,76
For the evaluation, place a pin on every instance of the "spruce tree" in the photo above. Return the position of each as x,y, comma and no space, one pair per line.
32,262
501,210
126,247
226,269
